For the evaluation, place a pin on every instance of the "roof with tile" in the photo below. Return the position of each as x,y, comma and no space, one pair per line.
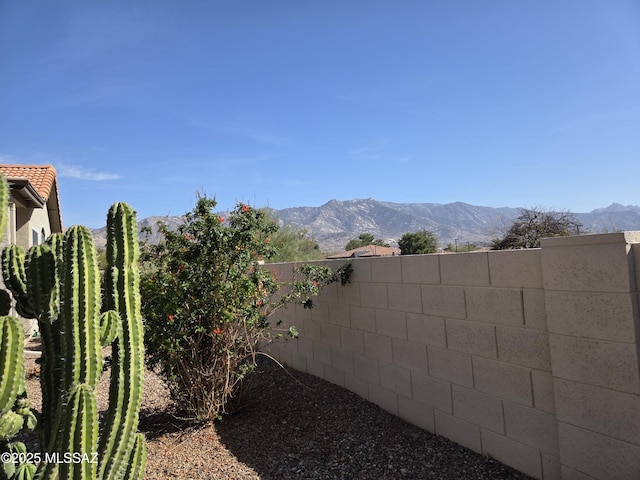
42,177
44,180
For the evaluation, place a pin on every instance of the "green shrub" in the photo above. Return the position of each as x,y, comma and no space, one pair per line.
420,242
206,301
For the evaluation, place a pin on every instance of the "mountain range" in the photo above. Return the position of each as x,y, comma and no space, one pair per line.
336,222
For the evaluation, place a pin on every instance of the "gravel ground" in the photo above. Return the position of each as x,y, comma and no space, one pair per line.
294,426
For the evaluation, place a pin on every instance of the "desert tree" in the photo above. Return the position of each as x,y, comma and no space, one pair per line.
533,224
363,240
422,241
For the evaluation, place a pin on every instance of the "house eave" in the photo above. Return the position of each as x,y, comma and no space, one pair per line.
25,193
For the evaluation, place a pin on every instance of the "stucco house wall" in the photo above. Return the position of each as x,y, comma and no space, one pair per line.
33,210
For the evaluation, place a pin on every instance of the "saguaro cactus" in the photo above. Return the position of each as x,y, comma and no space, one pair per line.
59,284
118,444
12,397
15,413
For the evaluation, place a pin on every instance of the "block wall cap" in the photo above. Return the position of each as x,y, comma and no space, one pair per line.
593,239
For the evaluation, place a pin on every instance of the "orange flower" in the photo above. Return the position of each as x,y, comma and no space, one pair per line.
221,219
170,317
218,331
246,208
259,303
180,268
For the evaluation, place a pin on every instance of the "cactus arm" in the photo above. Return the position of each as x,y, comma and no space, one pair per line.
108,327
127,374
138,460
8,469
13,273
81,432
51,369
56,243
10,424
5,303
16,470
78,435
41,279
25,471
50,382
80,310
4,202
72,351
11,362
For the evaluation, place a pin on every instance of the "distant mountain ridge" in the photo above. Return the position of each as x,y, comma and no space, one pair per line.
338,221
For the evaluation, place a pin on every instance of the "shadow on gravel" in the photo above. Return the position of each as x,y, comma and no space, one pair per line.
298,426
156,423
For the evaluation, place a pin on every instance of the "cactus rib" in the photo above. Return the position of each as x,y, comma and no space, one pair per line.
11,362
108,327
10,424
40,266
4,201
81,432
80,310
15,279
138,460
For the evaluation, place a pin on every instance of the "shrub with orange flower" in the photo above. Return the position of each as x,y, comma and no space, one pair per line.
207,274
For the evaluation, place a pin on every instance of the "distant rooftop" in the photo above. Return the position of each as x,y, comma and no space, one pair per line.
368,251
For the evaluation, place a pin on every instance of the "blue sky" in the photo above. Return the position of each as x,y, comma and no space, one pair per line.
294,103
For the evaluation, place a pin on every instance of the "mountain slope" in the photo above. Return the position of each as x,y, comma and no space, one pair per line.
336,222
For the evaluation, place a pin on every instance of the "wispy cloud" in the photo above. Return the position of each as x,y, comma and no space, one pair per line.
81,173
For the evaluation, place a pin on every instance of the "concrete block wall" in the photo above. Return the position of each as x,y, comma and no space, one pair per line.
529,356
591,286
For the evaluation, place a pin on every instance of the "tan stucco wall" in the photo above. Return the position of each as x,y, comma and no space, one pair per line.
28,220
529,356
20,224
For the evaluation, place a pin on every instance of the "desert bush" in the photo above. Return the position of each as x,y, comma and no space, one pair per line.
534,224
414,243
207,302
363,240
